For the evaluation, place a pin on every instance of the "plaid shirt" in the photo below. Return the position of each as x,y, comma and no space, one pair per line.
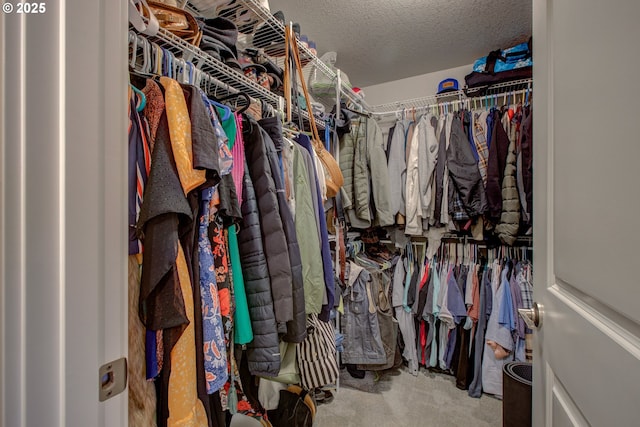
480,141
526,288
456,207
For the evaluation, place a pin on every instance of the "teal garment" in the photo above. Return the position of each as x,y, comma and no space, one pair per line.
308,239
229,126
241,320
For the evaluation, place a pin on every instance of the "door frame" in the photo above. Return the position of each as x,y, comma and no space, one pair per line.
63,225
542,196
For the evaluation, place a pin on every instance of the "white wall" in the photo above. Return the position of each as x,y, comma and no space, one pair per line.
413,87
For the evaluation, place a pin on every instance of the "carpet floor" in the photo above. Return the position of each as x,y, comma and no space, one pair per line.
397,398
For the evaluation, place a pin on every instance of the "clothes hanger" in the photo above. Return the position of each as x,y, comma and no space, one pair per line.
133,43
225,108
238,95
143,98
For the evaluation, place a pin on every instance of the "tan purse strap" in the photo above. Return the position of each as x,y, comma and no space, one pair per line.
287,72
296,56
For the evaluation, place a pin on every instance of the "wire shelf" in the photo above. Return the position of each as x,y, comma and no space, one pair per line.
227,80
260,29
417,103
499,88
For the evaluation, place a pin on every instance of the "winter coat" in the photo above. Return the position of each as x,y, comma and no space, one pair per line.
526,167
464,172
274,239
498,151
507,229
263,352
397,165
346,155
370,176
272,141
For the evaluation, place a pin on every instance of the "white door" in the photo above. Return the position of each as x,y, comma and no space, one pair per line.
63,225
587,212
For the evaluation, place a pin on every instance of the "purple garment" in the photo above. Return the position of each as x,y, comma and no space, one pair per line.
139,165
151,355
516,297
451,347
455,305
490,122
455,299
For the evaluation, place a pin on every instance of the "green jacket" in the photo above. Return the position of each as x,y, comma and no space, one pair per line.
307,232
364,165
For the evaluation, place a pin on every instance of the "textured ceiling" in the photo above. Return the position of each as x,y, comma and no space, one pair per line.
384,40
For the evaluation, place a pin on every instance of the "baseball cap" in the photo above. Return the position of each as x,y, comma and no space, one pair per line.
447,85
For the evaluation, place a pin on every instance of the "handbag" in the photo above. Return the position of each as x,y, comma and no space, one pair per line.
296,409
316,355
178,21
332,172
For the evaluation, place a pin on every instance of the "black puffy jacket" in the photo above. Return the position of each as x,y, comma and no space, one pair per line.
273,140
274,239
263,354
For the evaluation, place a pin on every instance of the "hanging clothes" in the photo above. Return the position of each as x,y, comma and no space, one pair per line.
214,347
498,152
274,239
498,339
367,197
263,353
362,340
397,166
142,394
305,223
464,172
507,228
327,265
273,141
475,388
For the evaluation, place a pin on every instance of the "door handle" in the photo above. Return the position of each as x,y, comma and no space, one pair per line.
532,316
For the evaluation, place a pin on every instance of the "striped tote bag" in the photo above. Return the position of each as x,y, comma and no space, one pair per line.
316,355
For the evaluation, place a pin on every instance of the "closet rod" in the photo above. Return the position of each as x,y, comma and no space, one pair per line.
421,102
460,97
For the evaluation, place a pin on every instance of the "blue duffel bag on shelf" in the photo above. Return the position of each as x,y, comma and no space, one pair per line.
502,65
518,56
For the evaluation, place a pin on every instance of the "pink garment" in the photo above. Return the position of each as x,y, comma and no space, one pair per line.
238,159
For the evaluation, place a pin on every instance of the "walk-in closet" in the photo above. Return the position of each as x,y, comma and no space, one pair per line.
287,213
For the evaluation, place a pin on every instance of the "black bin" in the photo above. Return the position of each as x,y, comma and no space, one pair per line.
516,394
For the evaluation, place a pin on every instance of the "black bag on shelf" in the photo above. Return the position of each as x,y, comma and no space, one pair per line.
475,79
